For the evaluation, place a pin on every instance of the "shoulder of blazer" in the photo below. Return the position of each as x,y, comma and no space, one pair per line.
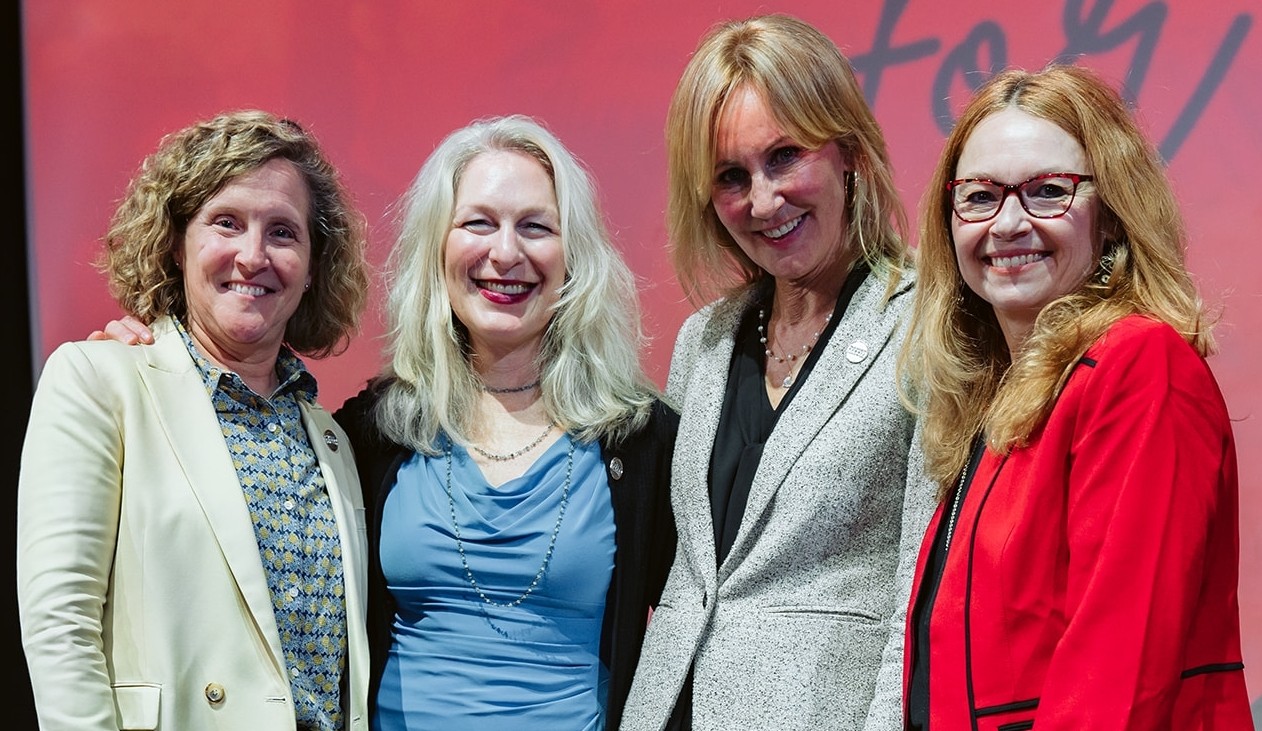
703,330
900,299
117,361
167,352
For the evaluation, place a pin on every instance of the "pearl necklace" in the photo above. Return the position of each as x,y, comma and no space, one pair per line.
514,455
791,357
552,542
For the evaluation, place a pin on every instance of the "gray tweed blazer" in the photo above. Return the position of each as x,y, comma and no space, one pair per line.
802,625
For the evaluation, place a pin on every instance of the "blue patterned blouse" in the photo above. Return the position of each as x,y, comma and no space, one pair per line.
294,525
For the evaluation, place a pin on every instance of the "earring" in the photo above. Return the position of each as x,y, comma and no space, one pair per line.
1104,269
306,286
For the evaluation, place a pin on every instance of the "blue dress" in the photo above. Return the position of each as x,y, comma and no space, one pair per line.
458,662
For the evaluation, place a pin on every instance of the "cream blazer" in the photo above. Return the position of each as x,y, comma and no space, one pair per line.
142,597
801,626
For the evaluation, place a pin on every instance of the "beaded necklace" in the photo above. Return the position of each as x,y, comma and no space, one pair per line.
514,455
790,357
552,542
955,509
512,389
978,443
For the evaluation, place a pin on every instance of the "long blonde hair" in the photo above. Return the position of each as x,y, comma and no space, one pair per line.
592,382
815,98
956,351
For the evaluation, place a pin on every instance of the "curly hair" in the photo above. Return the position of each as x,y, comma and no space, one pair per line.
592,382
811,89
192,165
958,353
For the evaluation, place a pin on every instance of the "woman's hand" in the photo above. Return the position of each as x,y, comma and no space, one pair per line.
128,330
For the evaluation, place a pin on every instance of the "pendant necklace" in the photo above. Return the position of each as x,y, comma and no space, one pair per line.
552,542
792,357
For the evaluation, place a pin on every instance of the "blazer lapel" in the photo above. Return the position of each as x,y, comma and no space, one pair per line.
333,452
192,428
863,333
703,403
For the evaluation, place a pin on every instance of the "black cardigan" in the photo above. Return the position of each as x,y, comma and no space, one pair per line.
644,536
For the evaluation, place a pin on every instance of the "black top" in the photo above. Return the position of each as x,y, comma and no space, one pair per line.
745,424
747,418
644,536
918,688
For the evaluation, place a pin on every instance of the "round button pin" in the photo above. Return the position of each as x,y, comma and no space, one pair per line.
215,693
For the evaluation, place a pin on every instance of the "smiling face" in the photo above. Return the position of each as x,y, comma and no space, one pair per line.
504,262
783,203
1014,261
246,258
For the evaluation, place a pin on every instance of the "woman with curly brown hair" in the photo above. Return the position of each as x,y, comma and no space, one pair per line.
190,524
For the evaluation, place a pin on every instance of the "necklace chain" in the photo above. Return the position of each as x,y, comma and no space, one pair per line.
512,389
955,509
514,455
552,542
791,357
959,497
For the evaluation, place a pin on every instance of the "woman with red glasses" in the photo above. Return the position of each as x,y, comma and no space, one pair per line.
1081,569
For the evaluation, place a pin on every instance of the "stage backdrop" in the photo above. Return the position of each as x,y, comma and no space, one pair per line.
381,82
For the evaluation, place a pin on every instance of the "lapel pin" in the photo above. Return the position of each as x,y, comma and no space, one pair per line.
615,468
856,351
330,439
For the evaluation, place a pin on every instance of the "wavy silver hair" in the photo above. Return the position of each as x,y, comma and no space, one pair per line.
593,384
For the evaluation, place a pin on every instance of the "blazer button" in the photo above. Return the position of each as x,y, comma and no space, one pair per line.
330,439
615,468
215,693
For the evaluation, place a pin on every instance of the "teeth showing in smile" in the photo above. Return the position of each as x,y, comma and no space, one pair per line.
505,287
247,289
782,229
1016,261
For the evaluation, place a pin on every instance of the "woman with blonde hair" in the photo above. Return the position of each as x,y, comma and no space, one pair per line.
515,455
797,489
1081,570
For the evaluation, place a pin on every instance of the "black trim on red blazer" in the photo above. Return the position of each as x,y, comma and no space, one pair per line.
1219,667
1008,707
644,536
974,711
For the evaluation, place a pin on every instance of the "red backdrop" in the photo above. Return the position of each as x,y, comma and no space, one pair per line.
380,83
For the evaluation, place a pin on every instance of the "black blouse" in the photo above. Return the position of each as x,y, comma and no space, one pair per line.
918,688
745,424
747,418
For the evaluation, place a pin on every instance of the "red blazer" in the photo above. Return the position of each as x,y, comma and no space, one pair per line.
1091,579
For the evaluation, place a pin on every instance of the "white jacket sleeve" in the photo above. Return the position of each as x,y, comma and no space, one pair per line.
69,495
